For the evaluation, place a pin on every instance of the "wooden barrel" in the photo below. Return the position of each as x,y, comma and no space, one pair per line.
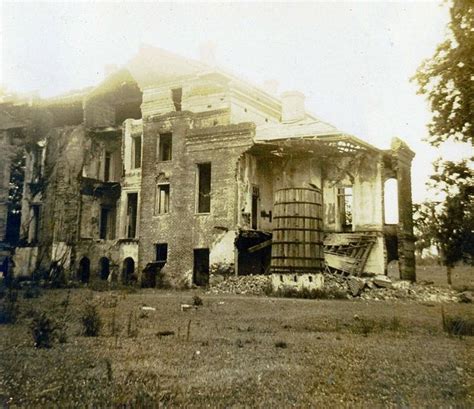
297,243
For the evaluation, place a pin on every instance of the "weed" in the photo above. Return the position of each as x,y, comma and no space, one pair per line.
281,344
457,325
32,292
43,330
132,329
9,309
364,326
197,301
91,321
326,293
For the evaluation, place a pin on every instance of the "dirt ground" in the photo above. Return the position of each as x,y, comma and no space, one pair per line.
237,351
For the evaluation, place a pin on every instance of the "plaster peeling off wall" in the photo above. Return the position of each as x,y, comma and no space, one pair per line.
376,261
24,260
61,253
222,254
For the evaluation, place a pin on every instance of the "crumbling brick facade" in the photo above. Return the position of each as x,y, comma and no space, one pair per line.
167,173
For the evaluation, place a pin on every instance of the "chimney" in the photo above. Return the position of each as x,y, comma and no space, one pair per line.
207,53
271,87
292,106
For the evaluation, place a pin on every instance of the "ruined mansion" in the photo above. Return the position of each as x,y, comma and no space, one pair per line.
172,171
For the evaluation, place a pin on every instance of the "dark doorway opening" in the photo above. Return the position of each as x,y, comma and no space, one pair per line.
254,252
104,265
128,270
201,267
391,243
84,271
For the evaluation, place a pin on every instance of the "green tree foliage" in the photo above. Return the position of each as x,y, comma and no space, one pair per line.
447,79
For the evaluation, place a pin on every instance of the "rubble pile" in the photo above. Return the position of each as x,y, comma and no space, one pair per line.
252,285
381,287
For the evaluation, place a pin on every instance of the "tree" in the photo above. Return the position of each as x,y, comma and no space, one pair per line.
449,224
447,79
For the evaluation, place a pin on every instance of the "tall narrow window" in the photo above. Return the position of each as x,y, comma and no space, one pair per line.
136,152
35,223
344,196
204,187
108,166
161,252
162,203
165,148
177,95
132,208
104,221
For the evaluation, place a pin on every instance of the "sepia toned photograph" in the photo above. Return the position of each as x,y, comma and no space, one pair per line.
237,204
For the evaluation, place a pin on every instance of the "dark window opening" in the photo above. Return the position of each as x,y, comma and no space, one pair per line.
255,197
344,197
128,271
83,273
177,96
104,220
204,187
165,150
161,250
35,223
132,208
201,267
104,265
137,152
108,166
162,199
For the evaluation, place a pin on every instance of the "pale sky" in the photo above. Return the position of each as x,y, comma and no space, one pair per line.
352,60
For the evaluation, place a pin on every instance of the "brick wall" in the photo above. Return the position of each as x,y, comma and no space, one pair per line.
182,228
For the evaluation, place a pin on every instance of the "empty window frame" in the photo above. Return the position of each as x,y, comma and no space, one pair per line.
108,167
203,188
165,147
136,152
162,202
132,209
177,95
345,204
107,223
161,250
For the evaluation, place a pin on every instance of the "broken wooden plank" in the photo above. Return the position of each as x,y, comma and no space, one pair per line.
259,246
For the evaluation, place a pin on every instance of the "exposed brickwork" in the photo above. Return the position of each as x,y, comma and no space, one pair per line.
182,228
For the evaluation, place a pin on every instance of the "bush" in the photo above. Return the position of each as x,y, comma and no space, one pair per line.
197,301
43,330
91,321
9,309
325,293
32,292
458,325
281,344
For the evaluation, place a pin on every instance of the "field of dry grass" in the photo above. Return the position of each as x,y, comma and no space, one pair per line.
236,351
462,276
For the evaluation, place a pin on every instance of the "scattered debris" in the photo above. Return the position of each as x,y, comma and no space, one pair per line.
186,307
250,285
466,297
382,281
165,333
145,308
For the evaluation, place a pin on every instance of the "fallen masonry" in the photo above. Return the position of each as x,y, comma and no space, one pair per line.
365,288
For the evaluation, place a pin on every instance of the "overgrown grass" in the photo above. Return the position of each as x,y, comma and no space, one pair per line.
324,293
9,309
43,329
457,325
91,321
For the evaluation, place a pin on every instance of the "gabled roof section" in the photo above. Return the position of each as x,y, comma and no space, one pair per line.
153,65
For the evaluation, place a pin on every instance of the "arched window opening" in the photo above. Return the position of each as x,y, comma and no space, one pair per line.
83,273
104,265
128,270
391,201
